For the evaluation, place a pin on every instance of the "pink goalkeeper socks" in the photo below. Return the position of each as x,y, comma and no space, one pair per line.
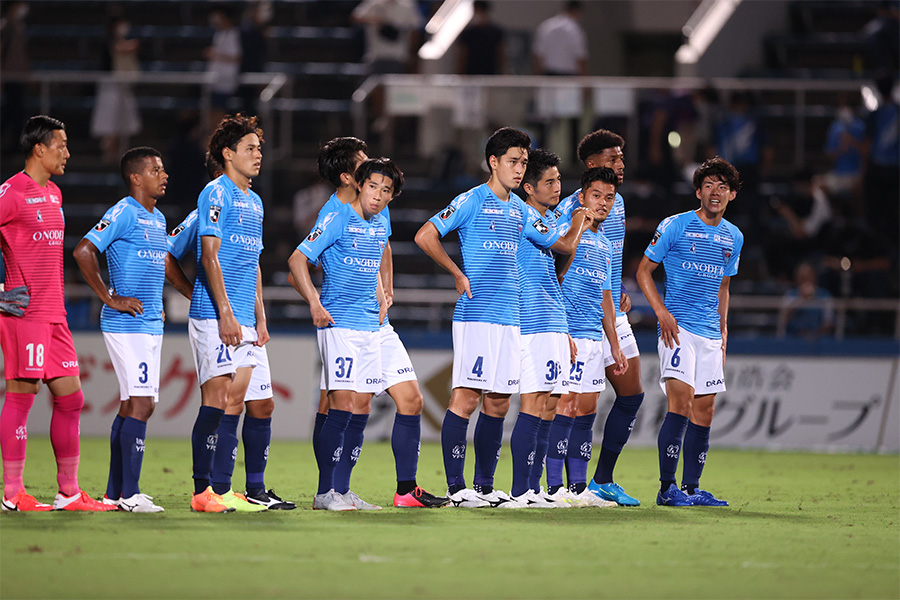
13,440
64,432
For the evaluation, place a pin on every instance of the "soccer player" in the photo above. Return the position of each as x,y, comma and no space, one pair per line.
350,243
700,251
603,148
338,161
37,346
257,427
226,326
132,233
545,333
589,315
486,345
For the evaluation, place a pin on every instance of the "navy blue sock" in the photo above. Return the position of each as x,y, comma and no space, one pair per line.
616,432
523,444
405,444
696,445
557,450
256,435
317,433
453,444
488,441
353,441
540,455
669,444
226,454
331,444
203,445
133,434
581,444
114,484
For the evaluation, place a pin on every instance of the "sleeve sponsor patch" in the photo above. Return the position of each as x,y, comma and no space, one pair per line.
541,227
314,234
103,224
214,212
656,237
177,230
445,214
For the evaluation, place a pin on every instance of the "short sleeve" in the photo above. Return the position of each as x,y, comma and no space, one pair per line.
607,283
9,203
661,241
731,267
386,213
459,212
538,232
183,238
325,233
116,223
211,208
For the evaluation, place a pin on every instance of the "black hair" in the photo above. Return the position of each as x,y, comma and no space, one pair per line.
380,165
338,156
133,161
539,160
718,169
597,142
39,130
601,174
230,132
213,168
502,140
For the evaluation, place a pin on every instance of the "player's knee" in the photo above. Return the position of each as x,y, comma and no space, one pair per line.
261,409
69,403
411,405
142,409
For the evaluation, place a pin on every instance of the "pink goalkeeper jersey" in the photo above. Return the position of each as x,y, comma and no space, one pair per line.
32,228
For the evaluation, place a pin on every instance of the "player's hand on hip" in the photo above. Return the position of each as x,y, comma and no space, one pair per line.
262,335
230,330
625,302
463,287
668,330
320,316
126,304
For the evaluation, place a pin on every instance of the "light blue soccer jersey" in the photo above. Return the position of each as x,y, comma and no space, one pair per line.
696,257
225,212
489,234
183,239
582,288
350,250
542,309
134,241
614,230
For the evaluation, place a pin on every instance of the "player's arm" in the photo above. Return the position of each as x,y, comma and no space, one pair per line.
429,240
229,328
262,330
176,277
609,330
568,243
387,274
563,262
724,299
86,256
302,282
668,327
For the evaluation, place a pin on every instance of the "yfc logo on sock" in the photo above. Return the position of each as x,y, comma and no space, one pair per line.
211,442
672,450
234,454
562,446
702,458
354,455
336,457
138,445
631,426
21,433
531,458
266,453
585,449
498,452
459,452
418,448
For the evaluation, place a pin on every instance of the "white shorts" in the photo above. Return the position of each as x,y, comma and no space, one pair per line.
697,361
545,362
351,358
260,387
486,356
136,358
626,342
395,364
587,374
212,358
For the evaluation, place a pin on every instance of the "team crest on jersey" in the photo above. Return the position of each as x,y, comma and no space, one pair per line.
314,235
177,230
39,217
445,214
214,212
103,224
541,227
655,239
726,252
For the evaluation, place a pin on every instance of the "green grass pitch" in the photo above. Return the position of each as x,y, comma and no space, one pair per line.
800,526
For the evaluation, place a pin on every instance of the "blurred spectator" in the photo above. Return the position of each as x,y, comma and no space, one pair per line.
560,44
224,62
254,25
391,29
846,135
741,140
882,178
881,36
307,203
185,164
480,49
115,117
13,60
808,309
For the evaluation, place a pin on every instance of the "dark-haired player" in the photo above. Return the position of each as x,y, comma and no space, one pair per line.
603,148
486,345
700,251
226,322
350,243
132,234
37,346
